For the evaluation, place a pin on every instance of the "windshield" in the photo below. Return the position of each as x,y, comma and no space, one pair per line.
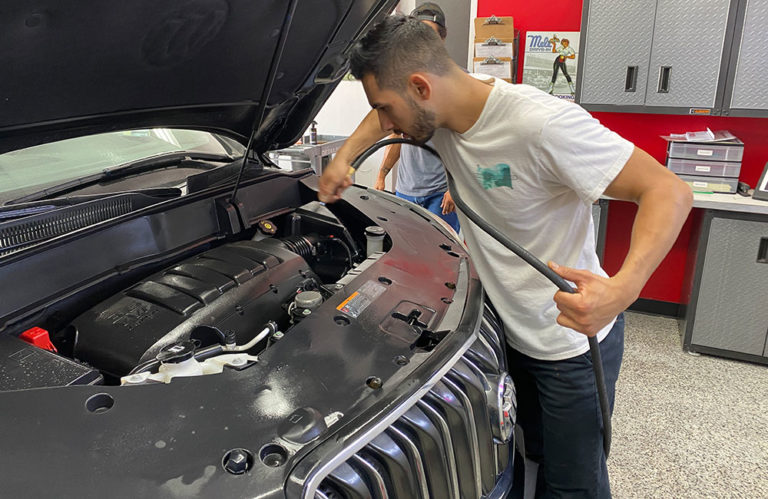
35,168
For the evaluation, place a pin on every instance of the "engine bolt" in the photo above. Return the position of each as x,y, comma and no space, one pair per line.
237,461
374,382
401,360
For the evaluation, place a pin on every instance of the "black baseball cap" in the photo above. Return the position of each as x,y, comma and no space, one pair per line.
429,11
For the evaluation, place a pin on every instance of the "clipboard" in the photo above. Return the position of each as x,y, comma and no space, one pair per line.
499,67
495,47
498,26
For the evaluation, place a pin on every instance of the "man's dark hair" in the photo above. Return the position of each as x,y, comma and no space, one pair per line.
397,47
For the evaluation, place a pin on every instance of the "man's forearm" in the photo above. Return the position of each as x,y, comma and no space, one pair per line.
335,177
390,158
367,133
660,216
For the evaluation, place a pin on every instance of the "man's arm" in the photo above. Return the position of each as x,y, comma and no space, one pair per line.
335,176
664,202
390,158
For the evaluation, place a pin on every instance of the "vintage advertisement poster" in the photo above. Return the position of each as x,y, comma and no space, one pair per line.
550,61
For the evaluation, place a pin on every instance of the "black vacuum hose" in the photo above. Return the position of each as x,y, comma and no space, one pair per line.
562,284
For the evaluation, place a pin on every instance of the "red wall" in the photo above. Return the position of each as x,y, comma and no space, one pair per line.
643,129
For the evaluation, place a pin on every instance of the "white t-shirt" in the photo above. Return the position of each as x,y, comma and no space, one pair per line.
531,166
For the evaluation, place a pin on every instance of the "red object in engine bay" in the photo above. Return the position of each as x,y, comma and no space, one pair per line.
39,337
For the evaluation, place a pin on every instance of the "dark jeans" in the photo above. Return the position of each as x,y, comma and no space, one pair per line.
432,203
559,412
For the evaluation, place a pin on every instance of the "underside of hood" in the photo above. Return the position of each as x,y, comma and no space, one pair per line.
238,67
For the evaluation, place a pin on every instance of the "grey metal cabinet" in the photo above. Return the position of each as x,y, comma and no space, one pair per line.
687,51
746,92
658,56
728,310
616,51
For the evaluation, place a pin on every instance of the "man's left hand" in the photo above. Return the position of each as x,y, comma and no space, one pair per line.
447,204
596,302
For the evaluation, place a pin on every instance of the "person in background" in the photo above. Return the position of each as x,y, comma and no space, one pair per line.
531,165
420,175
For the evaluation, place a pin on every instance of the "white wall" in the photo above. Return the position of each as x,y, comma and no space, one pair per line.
344,110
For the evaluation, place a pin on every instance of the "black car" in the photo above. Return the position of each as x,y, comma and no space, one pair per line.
181,318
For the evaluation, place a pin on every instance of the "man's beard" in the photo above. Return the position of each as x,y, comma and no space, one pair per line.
424,123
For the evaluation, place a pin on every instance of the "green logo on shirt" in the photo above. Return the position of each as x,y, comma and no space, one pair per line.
495,176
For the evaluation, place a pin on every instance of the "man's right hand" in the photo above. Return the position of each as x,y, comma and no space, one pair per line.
380,185
337,174
335,179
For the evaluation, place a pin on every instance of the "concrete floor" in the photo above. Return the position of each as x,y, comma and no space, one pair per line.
686,426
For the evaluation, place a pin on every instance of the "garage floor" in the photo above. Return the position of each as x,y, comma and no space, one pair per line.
686,426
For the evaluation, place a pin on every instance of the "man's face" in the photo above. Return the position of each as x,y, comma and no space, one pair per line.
399,112
565,44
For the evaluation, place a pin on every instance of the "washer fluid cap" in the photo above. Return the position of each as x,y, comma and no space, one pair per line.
374,231
309,299
177,352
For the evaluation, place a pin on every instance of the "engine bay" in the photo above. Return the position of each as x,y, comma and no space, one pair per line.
217,309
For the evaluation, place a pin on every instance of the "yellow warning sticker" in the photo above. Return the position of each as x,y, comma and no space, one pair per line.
358,301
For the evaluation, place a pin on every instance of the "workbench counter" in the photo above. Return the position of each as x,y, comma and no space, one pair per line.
730,202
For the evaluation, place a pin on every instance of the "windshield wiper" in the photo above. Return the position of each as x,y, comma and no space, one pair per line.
143,165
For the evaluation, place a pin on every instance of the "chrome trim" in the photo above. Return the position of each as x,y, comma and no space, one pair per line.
472,433
320,495
490,329
373,472
413,452
488,388
318,475
445,433
484,341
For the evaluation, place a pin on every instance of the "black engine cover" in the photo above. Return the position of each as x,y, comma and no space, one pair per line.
238,287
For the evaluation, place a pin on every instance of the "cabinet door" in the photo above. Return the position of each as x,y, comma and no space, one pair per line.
751,78
616,49
687,51
732,306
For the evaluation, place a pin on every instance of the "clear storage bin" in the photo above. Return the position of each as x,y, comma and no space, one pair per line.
733,151
711,184
704,168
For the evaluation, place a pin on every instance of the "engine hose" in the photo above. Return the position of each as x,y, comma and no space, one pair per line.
300,245
562,284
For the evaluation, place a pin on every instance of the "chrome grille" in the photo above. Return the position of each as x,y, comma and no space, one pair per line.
443,445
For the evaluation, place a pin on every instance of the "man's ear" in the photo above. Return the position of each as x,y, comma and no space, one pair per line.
420,86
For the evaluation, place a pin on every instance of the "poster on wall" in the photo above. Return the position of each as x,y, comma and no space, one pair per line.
550,61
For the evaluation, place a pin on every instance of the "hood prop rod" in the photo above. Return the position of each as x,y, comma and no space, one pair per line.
529,258
265,94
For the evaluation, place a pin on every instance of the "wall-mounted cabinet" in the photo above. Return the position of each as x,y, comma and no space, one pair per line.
668,56
745,93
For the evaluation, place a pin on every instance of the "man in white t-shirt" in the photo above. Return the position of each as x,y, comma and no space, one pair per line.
531,165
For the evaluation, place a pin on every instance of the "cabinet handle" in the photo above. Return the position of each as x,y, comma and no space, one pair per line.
664,79
762,252
631,82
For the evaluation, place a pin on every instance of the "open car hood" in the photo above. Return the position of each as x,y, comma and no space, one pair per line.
238,67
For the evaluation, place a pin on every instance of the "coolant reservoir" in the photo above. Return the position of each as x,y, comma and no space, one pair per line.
177,360
374,237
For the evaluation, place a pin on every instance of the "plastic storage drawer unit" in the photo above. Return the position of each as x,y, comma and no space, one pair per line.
710,184
704,168
733,151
